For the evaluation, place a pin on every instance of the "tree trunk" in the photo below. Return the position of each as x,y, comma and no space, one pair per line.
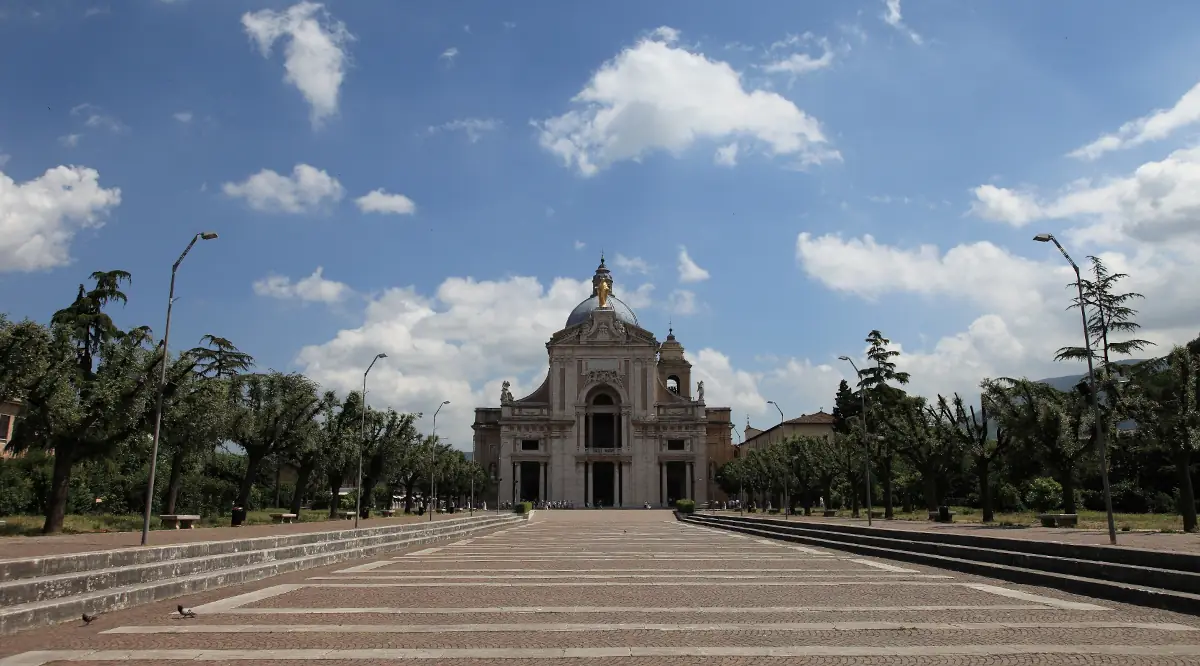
368,493
175,482
1068,488
302,477
253,461
889,509
1187,494
278,478
334,481
60,485
985,488
409,489
929,486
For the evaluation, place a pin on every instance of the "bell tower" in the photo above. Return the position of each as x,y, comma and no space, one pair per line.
673,369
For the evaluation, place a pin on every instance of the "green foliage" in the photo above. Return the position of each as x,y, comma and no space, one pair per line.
1044,494
523,507
685,506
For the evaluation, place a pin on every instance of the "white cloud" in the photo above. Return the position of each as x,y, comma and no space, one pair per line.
306,190
70,140
183,116
1158,202
314,288
315,58
655,96
799,62
579,245
378,201
449,54
726,155
665,34
1018,304
40,217
1153,126
631,265
892,17
689,271
474,128
95,118
682,302
509,25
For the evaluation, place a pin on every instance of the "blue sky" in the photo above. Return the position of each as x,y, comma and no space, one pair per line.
829,167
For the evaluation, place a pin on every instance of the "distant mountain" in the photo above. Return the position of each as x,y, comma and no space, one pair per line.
1068,382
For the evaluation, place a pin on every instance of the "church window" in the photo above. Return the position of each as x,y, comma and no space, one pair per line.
529,445
673,384
675,445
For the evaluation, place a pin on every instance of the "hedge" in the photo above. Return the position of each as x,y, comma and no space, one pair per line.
685,506
523,507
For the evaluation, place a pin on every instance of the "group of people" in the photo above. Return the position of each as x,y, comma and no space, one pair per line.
542,504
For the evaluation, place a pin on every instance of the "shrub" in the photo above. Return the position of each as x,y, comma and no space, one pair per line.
1044,494
685,506
1008,498
523,507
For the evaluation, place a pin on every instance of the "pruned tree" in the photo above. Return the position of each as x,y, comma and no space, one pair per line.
269,411
981,447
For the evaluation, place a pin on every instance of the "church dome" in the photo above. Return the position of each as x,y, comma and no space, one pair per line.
584,310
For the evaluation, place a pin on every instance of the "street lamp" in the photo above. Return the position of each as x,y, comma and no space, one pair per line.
362,443
433,462
162,383
741,478
1101,431
862,393
772,402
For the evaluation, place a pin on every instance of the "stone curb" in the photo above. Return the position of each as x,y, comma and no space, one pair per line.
49,565
45,613
1172,600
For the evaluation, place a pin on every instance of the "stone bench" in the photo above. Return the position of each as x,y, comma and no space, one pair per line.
176,521
348,515
877,513
283,517
829,513
388,513
1059,519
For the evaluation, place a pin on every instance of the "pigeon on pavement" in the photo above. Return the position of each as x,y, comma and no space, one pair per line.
87,619
185,612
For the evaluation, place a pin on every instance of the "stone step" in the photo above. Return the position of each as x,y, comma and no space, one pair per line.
50,565
44,588
979,561
67,608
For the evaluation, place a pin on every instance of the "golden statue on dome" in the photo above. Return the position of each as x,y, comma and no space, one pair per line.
602,292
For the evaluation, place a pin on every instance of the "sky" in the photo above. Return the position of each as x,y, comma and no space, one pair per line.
437,182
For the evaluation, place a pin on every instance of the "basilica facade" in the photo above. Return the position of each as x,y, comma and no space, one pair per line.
616,423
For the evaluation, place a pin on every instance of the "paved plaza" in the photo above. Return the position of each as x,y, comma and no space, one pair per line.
622,587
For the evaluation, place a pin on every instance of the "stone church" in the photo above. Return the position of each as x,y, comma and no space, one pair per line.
616,423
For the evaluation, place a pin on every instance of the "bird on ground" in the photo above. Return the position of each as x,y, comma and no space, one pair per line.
185,612
88,619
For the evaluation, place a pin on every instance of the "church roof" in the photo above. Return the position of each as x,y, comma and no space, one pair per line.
583,311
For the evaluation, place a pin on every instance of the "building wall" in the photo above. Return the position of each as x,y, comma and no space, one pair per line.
9,410
779,433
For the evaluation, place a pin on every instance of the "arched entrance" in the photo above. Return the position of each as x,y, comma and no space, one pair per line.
602,436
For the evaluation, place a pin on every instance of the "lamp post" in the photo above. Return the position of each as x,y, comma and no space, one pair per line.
1101,431
433,463
362,442
862,393
162,383
772,402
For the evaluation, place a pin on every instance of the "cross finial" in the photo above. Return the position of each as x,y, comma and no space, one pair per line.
670,327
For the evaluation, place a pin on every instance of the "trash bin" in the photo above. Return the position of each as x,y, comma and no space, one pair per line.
238,517
943,514
364,513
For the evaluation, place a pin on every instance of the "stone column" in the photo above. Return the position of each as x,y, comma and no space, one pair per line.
690,488
662,489
588,488
617,483
516,482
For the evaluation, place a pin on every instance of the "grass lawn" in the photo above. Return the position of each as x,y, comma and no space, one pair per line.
1096,520
80,524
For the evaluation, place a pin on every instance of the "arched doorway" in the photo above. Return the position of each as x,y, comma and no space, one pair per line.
603,436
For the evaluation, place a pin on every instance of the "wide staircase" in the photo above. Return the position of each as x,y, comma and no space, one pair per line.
47,590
